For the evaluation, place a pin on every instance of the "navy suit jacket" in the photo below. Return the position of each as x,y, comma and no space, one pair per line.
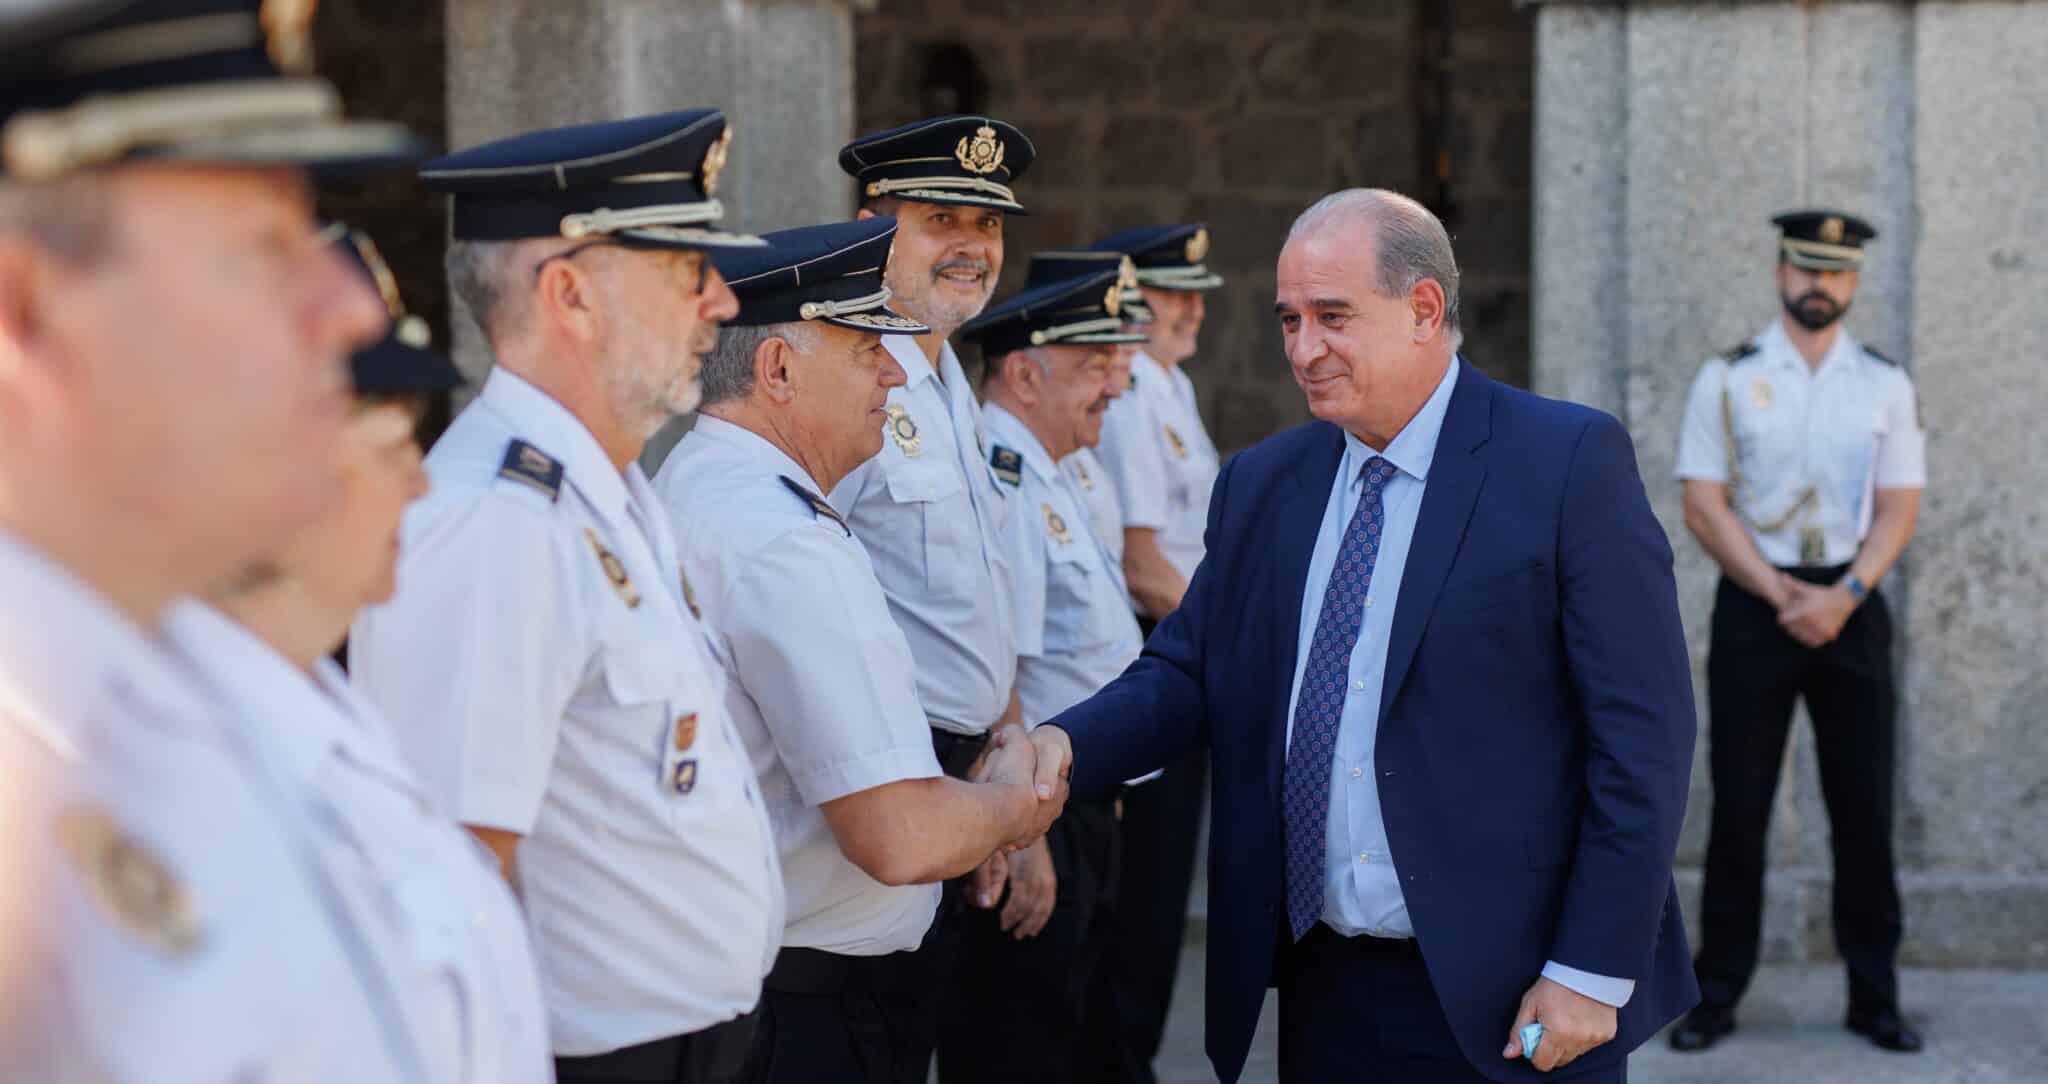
1535,732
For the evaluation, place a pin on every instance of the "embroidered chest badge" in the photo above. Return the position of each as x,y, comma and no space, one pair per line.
1760,394
902,429
1173,441
1056,526
129,882
614,570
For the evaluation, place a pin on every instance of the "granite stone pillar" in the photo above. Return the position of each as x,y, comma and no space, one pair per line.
1666,135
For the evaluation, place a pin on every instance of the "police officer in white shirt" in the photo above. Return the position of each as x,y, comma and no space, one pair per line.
1090,479
1803,462
821,681
542,664
442,913
170,397
1050,353
1161,460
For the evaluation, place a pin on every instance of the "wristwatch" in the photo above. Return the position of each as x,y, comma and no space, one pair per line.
1857,588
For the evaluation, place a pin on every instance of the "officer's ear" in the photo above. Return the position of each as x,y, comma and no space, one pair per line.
774,372
568,299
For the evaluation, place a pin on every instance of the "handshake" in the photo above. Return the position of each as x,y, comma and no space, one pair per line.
1041,759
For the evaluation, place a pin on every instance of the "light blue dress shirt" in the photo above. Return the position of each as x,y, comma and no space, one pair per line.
1361,887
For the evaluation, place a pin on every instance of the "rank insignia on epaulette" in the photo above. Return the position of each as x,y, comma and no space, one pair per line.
1179,446
903,430
685,731
1007,464
683,777
1056,526
129,882
528,464
819,505
614,570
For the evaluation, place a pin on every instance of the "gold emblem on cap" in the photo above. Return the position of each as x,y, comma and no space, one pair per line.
1760,394
1114,299
714,160
1197,246
288,30
614,570
1831,230
981,154
1055,526
903,430
128,881
1127,274
1179,446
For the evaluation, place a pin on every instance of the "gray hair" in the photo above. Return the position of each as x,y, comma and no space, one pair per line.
1409,241
477,274
728,372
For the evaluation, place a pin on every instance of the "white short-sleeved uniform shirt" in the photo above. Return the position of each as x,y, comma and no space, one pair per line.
187,933
447,929
544,675
1097,490
820,681
929,511
1803,448
1075,631
1161,459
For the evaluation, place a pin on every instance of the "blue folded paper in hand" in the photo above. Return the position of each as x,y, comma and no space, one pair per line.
1531,1035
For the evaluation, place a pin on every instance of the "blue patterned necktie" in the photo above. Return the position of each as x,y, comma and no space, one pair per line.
1305,796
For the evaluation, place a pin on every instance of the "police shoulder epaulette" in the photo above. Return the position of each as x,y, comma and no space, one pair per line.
1873,353
1008,465
819,505
528,465
1742,351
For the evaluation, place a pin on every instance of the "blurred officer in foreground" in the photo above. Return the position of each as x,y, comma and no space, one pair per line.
821,681
928,509
173,343
1803,461
1050,354
1162,463
541,663
429,893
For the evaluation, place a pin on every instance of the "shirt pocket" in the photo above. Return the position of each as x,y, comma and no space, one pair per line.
1073,624
637,682
934,498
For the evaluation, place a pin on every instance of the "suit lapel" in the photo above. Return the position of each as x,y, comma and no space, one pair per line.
1298,518
1455,478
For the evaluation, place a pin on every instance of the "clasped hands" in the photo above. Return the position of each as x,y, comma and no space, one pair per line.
1810,613
1044,760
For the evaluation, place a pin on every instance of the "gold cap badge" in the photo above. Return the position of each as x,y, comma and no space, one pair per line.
129,882
983,153
1831,230
714,160
288,33
1197,246
1114,299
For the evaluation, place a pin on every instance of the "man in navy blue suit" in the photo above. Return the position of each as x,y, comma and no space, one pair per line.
1435,651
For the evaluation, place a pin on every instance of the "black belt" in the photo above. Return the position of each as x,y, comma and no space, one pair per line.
817,972
958,752
720,1050
1815,574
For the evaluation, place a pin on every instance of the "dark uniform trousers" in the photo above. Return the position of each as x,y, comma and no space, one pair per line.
831,1019
1044,980
1754,673
1156,870
716,1055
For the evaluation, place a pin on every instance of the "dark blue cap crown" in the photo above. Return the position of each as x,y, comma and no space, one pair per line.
1167,257
203,81
1823,240
831,273
968,161
1085,310
1047,267
404,361
644,180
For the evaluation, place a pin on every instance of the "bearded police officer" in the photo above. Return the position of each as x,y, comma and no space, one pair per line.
821,681
173,342
1803,462
1161,460
1050,353
541,662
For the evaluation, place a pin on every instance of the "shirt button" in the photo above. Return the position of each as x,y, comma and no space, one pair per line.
1358,686
1368,604
1356,772
1364,858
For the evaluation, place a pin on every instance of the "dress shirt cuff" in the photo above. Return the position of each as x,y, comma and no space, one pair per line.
1601,988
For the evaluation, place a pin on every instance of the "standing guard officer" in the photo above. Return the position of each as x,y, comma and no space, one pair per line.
821,682
928,508
1050,354
1162,462
541,662
1803,462
173,349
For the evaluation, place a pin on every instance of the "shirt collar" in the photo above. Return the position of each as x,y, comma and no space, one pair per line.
1010,429
1413,449
916,367
267,693
1777,346
537,418
744,440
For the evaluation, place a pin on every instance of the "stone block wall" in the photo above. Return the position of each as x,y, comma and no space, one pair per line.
1240,114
